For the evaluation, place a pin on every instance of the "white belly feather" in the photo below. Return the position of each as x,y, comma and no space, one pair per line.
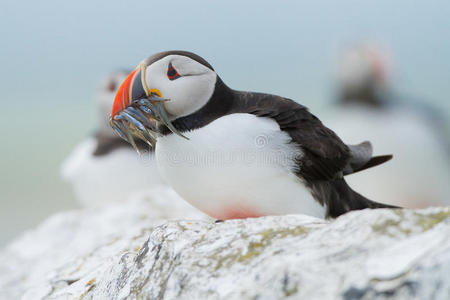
239,165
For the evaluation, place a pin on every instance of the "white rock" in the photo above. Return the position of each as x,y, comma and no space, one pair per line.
82,241
130,252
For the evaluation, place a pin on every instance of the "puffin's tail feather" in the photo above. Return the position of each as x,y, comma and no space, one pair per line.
374,161
339,198
362,158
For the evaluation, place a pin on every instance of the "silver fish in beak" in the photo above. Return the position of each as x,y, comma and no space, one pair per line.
137,110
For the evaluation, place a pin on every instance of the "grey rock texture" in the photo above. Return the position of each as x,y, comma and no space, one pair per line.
132,251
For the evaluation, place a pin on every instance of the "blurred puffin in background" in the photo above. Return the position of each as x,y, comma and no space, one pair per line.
104,168
414,132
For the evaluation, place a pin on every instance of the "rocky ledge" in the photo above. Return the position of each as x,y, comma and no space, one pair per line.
157,247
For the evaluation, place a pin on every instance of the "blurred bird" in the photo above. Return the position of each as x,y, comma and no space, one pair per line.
420,174
104,168
237,154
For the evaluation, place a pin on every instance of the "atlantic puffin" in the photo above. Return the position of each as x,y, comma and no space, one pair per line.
235,154
365,101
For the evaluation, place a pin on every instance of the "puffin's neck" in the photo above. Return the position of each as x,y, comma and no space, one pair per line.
226,101
220,104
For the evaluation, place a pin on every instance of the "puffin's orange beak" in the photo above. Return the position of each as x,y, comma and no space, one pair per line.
124,96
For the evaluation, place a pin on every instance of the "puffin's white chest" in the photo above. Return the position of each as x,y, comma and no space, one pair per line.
238,166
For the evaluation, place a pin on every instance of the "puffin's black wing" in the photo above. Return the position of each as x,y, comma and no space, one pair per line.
324,154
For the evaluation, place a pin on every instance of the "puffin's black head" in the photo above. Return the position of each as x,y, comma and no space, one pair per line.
163,87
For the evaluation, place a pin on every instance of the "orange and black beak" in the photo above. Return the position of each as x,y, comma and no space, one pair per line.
137,110
123,96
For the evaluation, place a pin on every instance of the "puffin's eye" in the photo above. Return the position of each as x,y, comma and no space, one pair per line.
172,74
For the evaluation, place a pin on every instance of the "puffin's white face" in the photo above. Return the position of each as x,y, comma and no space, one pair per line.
187,83
361,66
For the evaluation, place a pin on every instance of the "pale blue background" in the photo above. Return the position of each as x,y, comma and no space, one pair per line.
54,53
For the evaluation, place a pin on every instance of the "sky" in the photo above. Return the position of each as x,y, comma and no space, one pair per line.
53,55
